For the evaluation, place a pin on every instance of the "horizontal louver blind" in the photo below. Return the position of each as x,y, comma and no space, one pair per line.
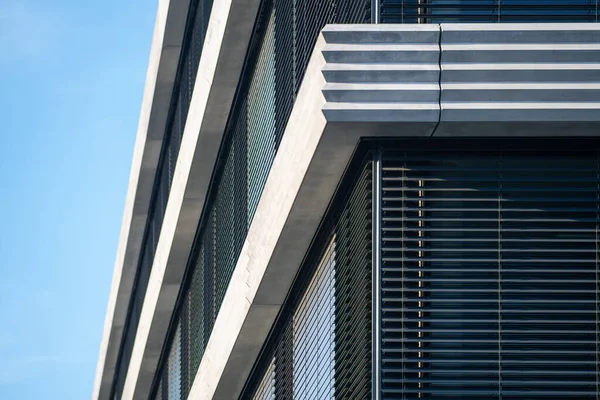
278,56
490,275
182,95
313,325
438,11
266,388
353,296
321,346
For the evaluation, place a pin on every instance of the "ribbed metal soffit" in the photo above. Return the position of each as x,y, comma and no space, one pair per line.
458,74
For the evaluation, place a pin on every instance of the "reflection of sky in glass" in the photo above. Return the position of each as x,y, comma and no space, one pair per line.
314,329
266,389
175,367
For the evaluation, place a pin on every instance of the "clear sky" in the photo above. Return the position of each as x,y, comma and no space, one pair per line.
71,80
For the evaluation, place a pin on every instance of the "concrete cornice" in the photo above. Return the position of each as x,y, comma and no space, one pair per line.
228,35
475,79
162,67
414,80
520,80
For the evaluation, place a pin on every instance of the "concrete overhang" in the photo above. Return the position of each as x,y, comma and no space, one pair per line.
429,81
227,39
160,77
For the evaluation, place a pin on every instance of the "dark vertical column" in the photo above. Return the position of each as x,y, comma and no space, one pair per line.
353,291
597,245
377,265
375,11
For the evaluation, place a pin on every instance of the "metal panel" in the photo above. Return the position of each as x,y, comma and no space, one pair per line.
490,272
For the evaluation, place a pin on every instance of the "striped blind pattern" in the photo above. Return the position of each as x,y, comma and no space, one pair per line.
313,326
447,11
321,346
266,388
490,265
272,73
189,61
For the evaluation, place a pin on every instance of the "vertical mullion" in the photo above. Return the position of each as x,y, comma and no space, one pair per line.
377,191
500,188
375,11
404,168
597,272
499,10
403,11
421,285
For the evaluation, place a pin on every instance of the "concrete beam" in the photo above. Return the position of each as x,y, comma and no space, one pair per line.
160,78
520,80
229,30
342,100
311,160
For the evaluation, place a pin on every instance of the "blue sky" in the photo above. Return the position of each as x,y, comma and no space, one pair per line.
71,83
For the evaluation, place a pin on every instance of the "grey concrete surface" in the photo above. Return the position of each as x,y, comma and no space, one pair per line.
520,79
227,38
160,77
358,100
313,155
377,74
362,81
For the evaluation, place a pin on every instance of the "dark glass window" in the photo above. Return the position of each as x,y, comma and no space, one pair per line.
285,34
490,273
448,11
321,348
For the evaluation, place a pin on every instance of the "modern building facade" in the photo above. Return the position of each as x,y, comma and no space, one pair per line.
350,199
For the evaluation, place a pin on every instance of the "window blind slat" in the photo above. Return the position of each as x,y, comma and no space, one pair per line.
490,274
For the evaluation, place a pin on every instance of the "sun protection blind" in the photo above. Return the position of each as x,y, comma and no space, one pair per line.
490,274
438,11
321,346
279,51
195,31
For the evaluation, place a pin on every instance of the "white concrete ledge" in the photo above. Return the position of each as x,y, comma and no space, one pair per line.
227,38
403,92
307,169
320,139
517,76
160,78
